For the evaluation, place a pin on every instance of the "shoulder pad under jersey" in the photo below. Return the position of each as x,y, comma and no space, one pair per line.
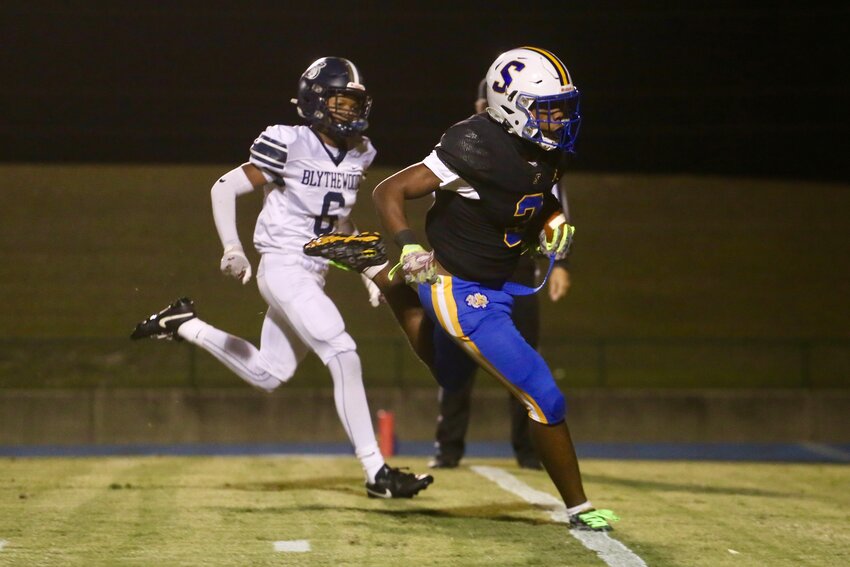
270,150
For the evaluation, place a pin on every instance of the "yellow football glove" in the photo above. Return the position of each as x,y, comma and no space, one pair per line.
417,265
556,237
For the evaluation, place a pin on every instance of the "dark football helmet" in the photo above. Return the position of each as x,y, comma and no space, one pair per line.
325,78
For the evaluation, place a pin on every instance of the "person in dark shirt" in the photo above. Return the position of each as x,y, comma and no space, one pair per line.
492,174
455,404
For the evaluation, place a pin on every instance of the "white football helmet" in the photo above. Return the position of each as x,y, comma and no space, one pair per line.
530,92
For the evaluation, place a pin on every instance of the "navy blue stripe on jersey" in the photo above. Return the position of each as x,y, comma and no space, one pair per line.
269,154
265,163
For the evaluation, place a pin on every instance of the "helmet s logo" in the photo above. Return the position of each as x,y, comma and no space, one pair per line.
507,79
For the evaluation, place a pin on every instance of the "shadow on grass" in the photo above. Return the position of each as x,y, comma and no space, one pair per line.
492,512
495,512
682,487
337,483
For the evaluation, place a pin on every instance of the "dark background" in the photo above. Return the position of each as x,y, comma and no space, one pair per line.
731,88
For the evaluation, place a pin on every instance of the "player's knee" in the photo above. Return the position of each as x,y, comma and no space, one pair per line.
552,404
335,347
270,376
282,377
343,353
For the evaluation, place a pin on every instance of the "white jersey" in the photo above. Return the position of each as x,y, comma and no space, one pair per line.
312,190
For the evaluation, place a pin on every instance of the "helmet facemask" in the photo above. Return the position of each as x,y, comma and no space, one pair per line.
552,121
343,112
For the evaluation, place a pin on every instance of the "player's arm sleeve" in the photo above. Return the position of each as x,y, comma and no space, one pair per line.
440,169
449,179
223,196
270,151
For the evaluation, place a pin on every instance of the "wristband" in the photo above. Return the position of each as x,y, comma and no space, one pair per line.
404,237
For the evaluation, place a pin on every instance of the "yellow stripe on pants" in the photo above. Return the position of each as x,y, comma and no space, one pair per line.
445,308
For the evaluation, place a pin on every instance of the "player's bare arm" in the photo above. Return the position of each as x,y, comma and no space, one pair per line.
389,196
559,283
416,264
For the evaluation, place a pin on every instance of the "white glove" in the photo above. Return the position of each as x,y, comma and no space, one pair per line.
374,292
235,263
417,264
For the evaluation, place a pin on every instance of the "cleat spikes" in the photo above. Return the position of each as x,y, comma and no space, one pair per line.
354,252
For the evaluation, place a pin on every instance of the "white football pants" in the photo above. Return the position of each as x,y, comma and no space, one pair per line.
300,317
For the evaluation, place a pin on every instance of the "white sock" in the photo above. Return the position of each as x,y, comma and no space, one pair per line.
584,507
372,461
373,271
353,411
240,356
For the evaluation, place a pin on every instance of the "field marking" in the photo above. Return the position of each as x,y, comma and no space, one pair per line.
3,543
611,551
293,546
827,451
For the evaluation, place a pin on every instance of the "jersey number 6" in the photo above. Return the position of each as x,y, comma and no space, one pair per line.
325,222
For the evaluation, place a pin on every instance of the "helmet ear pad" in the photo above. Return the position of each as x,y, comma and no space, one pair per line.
323,79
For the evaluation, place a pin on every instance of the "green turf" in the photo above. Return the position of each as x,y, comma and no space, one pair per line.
90,250
229,511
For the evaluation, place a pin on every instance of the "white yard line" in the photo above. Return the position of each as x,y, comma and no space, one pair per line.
827,451
293,546
611,551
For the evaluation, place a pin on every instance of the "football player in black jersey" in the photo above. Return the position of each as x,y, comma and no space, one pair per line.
455,404
492,174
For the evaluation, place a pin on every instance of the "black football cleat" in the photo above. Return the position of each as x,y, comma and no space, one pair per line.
164,325
354,252
393,483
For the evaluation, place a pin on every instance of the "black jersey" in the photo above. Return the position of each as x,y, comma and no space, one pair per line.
481,240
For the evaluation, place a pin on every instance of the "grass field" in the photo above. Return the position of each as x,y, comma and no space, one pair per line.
232,510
